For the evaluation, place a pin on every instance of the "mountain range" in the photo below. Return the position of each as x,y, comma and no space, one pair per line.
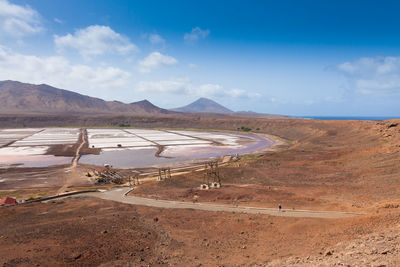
21,98
17,97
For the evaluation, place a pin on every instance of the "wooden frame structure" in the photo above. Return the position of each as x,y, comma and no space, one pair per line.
211,175
164,174
134,179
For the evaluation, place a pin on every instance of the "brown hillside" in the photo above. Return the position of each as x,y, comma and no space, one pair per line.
17,97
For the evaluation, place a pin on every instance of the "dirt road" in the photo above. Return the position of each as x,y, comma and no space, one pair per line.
119,195
72,177
77,153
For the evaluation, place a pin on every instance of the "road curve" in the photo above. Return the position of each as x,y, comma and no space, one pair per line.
119,195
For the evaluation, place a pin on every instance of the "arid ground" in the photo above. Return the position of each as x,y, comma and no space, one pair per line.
325,165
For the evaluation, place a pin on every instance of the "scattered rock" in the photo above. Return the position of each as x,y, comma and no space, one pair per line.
386,251
374,249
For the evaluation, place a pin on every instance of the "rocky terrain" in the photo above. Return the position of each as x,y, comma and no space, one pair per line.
327,165
377,249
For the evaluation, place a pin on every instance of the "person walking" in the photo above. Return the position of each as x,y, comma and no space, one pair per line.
279,207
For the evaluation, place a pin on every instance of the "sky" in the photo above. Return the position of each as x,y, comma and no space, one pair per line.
299,57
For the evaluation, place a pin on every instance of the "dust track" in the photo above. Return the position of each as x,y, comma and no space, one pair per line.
71,178
119,195
78,150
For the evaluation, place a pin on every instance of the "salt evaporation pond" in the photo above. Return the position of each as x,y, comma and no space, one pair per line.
30,161
123,148
125,158
179,146
27,147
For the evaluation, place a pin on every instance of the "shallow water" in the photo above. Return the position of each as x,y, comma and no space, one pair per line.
203,151
33,160
125,158
145,157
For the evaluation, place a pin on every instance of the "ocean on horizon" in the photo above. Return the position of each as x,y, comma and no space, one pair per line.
361,118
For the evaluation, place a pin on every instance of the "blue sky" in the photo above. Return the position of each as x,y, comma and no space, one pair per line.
321,58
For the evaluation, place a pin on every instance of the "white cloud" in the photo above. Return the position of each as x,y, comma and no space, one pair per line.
181,86
217,90
309,102
18,21
156,60
209,89
195,35
335,99
243,93
59,72
172,86
156,39
95,40
59,21
373,75
192,66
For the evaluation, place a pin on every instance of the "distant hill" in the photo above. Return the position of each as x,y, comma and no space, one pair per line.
17,97
204,105
246,112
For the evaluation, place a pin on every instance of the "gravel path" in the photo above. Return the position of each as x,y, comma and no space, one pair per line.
119,195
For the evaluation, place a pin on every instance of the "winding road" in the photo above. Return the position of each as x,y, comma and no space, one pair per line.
119,195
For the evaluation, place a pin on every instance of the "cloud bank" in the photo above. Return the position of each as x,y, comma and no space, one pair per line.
58,71
185,86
